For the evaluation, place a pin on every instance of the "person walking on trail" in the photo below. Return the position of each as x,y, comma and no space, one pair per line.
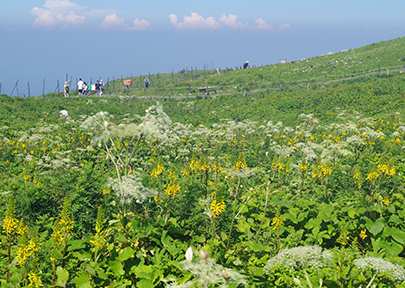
101,86
146,83
98,88
80,86
66,89
245,65
89,88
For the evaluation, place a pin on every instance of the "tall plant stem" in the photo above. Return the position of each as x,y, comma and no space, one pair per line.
264,212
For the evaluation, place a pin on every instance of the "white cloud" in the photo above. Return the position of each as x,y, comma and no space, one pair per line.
113,22
61,13
284,27
194,22
140,25
262,25
230,21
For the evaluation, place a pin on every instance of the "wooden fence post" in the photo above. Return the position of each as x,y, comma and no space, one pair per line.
28,84
281,87
255,84
43,90
373,73
244,94
0,88
267,88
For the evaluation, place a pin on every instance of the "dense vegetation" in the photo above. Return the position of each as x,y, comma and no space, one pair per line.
300,187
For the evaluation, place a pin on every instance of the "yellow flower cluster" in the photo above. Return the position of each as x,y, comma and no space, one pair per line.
10,224
386,201
204,166
172,189
217,168
98,240
106,191
172,175
372,176
357,175
35,280
186,173
322,171
277,222
194,165
303,167
389,171
240,163
363,234
157,170
217,207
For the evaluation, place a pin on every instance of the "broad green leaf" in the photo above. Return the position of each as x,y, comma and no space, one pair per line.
375,227
199,239
125,254
398,235
352,212
257,247
395,249
57,254
63,276
117,268
145,283
76,244
83,280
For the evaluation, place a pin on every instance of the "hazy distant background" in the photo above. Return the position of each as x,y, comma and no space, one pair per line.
49,38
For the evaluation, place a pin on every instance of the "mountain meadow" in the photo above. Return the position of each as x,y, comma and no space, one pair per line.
286,175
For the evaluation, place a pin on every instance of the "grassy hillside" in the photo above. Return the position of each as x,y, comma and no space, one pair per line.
357,62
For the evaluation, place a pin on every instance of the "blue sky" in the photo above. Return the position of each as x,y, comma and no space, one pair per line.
87,38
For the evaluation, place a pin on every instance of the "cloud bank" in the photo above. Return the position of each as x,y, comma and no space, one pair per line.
198,22
62,13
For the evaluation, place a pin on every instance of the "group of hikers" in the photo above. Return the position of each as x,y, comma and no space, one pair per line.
84,88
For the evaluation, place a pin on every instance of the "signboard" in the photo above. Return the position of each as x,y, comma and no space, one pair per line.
127,82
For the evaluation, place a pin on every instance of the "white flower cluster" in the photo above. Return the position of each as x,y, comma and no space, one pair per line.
130,188
378,265
298,258
208,273
96,122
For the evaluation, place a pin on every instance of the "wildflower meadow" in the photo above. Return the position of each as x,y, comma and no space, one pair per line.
291,188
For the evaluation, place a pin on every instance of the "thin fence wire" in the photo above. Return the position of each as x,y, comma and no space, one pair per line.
168,92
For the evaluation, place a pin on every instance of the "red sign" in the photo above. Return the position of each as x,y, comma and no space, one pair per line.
127,82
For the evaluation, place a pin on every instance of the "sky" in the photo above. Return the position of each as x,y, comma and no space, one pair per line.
49,39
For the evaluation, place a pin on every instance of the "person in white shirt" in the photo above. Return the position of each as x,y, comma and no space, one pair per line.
80,86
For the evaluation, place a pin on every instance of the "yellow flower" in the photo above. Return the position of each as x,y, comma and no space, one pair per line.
303,167
217,208
172,189
186,173
277,222
10,224
106,191
35,280
357,175
386,201
372,176
363,234
157,170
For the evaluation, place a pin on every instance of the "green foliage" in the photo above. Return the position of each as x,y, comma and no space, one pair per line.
119,196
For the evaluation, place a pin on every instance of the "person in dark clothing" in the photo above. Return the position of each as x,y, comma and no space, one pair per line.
98,88
245,65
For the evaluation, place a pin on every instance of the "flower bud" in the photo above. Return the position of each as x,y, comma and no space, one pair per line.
225,274
203,254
